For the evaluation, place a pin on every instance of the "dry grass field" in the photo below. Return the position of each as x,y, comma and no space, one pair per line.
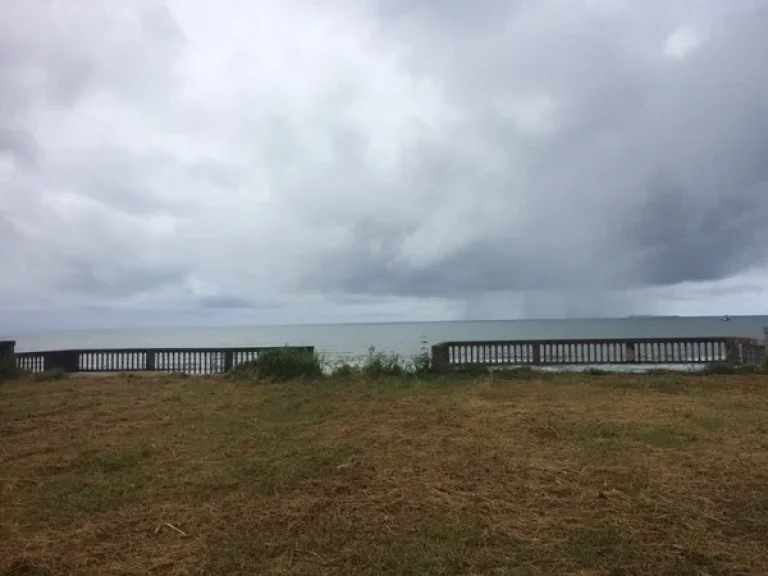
569,474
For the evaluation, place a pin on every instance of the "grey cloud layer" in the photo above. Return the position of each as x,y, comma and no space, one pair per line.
655,175
447,149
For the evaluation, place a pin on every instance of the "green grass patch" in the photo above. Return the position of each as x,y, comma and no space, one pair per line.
709,424
596,443
599,431
111,462
665,437
602,546
92,483
398,387
470,371
522,373
442,544
500,390
51,375
281,464
620,382
94,462
669,384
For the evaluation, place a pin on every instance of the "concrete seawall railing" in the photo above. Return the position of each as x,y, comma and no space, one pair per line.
444,356
189,360
704,350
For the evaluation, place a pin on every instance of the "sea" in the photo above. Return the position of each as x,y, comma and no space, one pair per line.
351,342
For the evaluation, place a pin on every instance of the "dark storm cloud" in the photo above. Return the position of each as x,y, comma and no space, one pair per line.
683,197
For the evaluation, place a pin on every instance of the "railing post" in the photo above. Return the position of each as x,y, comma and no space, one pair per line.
765,341
536,353
732,351
629,354
150,360
7,349
440,358
229,360
8,352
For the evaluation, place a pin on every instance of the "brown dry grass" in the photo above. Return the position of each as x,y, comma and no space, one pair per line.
658,474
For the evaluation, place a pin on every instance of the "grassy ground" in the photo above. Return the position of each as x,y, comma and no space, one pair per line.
617,474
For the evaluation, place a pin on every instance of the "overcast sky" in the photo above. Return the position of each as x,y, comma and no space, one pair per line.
333,160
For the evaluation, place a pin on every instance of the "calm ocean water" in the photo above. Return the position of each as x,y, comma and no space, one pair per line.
349,341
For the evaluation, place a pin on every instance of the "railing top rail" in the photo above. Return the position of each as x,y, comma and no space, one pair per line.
686,340
162,350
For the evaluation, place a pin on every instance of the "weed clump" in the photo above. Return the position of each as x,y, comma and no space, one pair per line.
343,371
422,364
380,365
280,364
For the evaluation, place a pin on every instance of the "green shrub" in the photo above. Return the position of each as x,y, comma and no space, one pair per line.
422,364
379,365
342,369
281,364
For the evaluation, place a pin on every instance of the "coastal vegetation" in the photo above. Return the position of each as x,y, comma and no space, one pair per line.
284,364
384,468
